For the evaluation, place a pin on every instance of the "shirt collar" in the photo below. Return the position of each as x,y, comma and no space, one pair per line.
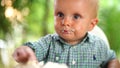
87,38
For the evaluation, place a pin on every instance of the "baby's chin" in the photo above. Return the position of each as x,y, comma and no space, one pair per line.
70,40
67,36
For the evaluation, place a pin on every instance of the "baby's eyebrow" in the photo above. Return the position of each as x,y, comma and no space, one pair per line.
78,14
57,12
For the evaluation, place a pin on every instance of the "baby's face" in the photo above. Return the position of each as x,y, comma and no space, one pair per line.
73,19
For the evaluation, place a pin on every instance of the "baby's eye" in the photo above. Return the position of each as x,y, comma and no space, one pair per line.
76,16
60,14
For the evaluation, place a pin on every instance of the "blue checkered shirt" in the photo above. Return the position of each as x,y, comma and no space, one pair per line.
92,52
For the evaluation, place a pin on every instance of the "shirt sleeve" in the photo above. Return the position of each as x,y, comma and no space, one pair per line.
108,56
40,47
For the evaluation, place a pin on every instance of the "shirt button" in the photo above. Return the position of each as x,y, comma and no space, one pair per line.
74,47
57,58
73,62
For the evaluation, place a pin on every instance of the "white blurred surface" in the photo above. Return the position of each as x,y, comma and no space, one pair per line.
99,32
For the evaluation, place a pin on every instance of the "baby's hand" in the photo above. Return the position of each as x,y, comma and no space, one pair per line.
24,54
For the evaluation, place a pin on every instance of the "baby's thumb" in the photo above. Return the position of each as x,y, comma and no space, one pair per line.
31,54
33,58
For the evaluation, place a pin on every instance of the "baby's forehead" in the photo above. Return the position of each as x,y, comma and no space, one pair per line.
86,1
82,5
90,3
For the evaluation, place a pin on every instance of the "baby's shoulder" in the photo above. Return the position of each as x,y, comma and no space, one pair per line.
97,41
49,37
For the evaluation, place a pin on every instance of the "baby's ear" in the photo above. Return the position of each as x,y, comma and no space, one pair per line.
93,23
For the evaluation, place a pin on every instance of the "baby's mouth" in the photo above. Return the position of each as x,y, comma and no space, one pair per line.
67,31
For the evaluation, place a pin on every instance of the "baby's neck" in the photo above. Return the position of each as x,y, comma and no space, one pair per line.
73,42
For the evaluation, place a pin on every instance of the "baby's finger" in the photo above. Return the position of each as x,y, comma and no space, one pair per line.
31,54
16,56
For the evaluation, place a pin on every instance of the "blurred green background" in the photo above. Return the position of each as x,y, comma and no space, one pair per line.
28,20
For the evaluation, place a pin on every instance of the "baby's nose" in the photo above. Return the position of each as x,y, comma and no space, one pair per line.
66,22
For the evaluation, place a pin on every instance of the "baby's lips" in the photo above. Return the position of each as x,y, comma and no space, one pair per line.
65,31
